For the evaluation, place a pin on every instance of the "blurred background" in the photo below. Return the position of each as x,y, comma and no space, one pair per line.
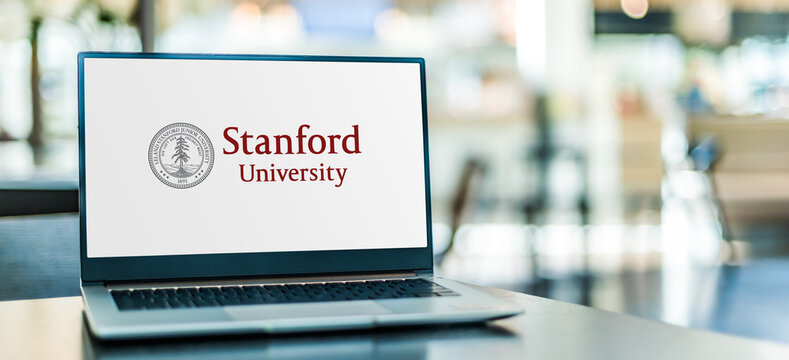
629,155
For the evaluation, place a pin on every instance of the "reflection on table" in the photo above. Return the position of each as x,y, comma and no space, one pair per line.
408,343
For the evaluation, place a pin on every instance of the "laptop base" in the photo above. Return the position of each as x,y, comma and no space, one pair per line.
106,321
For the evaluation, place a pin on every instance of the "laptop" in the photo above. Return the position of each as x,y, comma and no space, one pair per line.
229,194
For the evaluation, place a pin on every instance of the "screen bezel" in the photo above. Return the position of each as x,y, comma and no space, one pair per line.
136,268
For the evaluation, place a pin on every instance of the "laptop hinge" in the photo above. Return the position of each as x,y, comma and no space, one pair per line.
264,280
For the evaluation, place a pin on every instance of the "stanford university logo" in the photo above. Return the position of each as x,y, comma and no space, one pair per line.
181,155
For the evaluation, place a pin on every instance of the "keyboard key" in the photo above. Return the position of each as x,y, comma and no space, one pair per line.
157,304
191,297
201,302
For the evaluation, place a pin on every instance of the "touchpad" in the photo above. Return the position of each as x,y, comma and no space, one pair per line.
305,310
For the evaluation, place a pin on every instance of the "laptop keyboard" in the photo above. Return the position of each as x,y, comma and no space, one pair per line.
198,297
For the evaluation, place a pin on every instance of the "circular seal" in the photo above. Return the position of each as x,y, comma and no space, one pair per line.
181,155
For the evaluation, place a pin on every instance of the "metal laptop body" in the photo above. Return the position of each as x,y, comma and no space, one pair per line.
102,274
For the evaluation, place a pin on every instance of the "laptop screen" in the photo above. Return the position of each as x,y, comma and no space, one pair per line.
211,156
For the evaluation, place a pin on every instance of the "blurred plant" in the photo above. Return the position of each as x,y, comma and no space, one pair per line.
14,16
14,19
114,10
104,22
38,11
22,19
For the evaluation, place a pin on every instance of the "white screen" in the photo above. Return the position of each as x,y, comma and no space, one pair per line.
380,202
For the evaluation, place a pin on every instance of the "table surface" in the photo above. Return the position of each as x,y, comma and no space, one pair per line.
54,329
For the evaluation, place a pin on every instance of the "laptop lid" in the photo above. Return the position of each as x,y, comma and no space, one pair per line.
199,166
